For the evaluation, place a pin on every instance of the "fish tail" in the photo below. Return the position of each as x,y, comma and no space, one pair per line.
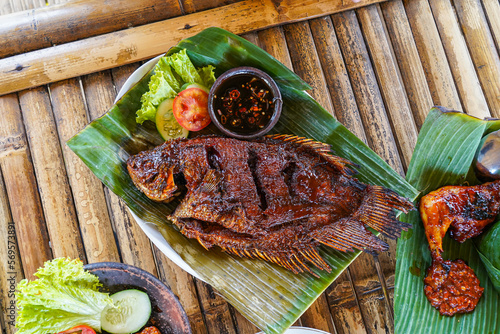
378,211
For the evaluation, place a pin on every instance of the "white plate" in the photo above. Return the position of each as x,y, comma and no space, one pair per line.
150,229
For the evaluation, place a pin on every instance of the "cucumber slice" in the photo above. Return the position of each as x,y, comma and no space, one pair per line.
194,85
166,124
131,314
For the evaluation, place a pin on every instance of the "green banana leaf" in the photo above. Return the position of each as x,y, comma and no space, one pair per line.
489,251
443,156
268,295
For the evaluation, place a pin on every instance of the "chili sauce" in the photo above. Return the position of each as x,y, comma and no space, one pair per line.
244,104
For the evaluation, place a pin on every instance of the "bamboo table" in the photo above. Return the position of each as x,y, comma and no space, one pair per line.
377,66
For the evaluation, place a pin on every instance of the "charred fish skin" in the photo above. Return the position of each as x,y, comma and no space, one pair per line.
277,198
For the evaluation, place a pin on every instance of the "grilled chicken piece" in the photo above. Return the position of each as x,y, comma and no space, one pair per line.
452,286
465,211
276,198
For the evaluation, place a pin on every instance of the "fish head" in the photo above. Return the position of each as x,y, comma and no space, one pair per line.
153,172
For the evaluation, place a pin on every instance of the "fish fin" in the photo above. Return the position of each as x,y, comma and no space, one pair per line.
211,181
324,150
310,253
295,260
377,211
201,197
191,229
348,234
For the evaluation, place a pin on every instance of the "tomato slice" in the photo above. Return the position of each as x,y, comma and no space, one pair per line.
191,109
82,329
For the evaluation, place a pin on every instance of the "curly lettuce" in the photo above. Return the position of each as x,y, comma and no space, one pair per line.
63,296
170,74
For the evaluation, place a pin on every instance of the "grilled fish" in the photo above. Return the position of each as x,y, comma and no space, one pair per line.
276,198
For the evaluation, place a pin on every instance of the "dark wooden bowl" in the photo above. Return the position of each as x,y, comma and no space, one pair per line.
167,313
233,74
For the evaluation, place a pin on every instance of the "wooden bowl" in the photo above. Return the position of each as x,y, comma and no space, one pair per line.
233,75
167,313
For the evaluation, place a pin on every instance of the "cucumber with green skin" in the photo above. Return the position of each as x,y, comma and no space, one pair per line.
131,312
166,124
194,85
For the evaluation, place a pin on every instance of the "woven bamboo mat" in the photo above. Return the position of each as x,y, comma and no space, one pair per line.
377,68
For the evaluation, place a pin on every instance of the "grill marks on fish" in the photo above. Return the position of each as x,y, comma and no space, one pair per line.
252,164
276,198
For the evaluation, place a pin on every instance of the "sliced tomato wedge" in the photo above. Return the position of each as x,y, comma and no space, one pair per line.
82,329
191,109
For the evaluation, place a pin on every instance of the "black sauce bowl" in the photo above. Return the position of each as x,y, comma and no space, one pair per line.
235,74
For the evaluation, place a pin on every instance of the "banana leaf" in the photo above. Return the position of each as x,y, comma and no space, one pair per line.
489,251
443,155
268,295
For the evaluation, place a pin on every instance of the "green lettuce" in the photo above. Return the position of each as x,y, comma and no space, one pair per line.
63,296
170,74
207,75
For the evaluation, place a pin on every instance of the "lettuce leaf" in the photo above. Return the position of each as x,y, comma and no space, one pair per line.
184,67
170,73
207,75
63,296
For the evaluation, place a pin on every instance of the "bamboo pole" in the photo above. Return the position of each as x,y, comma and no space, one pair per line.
370,284
135,247
11,271
123,47
184,287
21,186
55,192
306,62
432,54
44,27
390,82
71,117
347,318
410,66
459,58
482,49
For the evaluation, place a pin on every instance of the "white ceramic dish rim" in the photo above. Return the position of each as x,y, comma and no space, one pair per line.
150,229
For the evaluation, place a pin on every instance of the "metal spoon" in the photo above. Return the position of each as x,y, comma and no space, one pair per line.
487,159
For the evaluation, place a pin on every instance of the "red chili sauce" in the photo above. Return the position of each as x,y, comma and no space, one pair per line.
245,106
150,330
452,287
